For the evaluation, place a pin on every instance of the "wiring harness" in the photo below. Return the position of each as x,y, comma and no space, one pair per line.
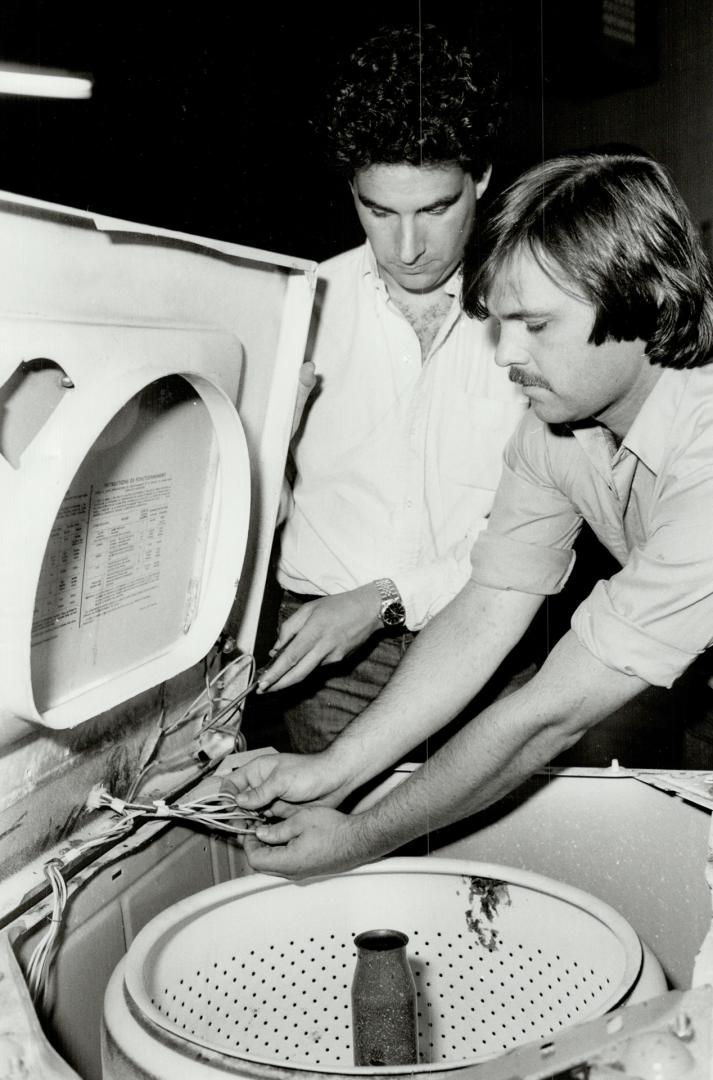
219,812
217,716
41,959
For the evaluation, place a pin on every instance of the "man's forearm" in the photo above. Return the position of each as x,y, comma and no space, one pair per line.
452,659
497,750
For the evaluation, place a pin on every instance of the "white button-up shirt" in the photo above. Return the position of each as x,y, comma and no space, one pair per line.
399,459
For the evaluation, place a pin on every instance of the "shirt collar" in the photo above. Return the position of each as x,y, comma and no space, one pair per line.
646,438
370,268
453,285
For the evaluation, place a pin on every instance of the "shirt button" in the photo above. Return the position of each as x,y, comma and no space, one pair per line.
409,504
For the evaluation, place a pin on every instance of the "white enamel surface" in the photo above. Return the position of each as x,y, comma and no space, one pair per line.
261,970
118,305
108,367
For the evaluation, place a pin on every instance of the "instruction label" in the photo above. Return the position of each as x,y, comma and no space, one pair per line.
105,554
59,593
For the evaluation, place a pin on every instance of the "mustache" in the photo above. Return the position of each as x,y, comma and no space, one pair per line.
517,375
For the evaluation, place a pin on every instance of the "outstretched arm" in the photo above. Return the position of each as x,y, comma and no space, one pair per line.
494,753
452,659
330,628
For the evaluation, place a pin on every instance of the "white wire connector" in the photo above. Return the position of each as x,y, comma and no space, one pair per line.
99,797
219,812
95,796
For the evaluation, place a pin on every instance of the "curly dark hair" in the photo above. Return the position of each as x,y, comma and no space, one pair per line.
412,96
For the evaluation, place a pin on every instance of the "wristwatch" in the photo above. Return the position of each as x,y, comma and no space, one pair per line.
392,612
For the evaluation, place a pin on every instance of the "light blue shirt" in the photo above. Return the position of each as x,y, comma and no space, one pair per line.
649,501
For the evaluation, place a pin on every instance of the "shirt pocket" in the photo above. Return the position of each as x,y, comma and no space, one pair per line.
473,437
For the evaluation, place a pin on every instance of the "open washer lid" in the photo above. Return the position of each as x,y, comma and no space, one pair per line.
130,510
125,467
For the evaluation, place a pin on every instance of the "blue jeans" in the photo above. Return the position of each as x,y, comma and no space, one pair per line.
320,707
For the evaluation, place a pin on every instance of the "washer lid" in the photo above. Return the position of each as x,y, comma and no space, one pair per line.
124,468
131,509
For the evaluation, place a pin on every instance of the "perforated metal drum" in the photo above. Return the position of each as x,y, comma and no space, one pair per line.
260,969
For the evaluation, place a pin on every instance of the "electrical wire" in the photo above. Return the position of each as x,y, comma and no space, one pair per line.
203,706
40,961
219,811
225,714
210,709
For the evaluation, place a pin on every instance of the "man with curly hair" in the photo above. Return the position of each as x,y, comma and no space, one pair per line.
400,453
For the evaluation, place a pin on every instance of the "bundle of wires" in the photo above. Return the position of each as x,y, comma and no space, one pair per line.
41,959
221,711
219,811
211,710
214,713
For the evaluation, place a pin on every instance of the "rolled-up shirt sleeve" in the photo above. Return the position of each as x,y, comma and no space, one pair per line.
648,501
655,616
527,544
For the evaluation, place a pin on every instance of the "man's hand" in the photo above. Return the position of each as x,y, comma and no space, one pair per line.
283,783
314,841
321,632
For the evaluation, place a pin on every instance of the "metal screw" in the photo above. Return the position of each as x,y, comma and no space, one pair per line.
682,1026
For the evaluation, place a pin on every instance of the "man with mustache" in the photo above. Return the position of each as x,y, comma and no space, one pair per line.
400,451
604,302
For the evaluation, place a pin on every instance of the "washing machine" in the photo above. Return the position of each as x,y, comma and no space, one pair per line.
148,387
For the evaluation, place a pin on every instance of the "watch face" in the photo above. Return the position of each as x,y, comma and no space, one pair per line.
393,614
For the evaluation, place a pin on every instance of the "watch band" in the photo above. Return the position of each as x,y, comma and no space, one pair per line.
392,612
387,589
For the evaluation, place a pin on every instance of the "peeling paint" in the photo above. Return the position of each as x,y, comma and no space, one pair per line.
12,828
49,777
490,894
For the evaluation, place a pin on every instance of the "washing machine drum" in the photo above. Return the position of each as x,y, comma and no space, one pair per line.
256,973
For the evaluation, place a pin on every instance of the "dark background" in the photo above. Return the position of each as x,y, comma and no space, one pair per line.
199,119
199,122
